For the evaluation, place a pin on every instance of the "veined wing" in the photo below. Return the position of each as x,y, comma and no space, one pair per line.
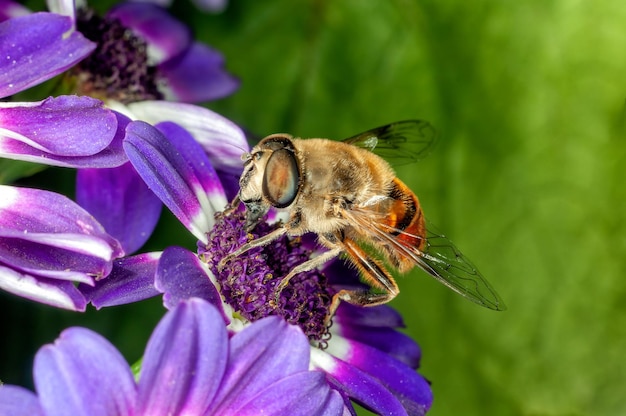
440,258
400,142
445,262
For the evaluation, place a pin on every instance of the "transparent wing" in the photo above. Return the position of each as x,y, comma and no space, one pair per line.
440,258
399,143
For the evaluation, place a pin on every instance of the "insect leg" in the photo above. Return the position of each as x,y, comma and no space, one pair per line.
373,273
258,242
232,206
305,267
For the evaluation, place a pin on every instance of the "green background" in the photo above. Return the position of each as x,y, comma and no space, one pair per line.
527,179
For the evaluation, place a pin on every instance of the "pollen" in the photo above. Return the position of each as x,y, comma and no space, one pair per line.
118,68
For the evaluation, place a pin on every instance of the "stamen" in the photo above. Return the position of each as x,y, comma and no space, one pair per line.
118,68
248,282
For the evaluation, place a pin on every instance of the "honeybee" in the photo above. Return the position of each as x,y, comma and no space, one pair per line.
350,197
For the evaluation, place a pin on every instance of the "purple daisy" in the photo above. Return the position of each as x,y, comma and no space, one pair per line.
363,355
143,53
190,366
139,52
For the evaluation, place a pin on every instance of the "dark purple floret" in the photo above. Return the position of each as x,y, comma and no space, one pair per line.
248,281
118,68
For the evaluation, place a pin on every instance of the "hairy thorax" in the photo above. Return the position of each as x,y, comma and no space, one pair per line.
336,177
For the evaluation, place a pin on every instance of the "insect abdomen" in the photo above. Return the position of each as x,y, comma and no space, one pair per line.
406,218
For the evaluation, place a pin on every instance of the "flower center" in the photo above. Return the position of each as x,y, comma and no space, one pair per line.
248,282
118,68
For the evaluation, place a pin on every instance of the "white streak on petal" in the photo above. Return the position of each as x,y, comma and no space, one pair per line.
4,133
69,275
64,7
339,346
321,360
31,288
91,246
222,139
9,195
27,104
210,202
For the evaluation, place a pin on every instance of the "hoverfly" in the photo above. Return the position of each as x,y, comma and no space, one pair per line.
349,196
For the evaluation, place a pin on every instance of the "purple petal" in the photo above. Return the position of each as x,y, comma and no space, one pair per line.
305,393
360,386
197,75
403,381
111,156
258,360
387,340
378,316
26,210
60,256
222,139
120,200
202,176
184,361
230,184
10,9
83,374
169,175
63,126
17,401
66,237
37,47
181,275
131,280
166,36
58,293
28,223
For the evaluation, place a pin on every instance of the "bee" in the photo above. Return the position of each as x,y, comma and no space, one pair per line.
350,197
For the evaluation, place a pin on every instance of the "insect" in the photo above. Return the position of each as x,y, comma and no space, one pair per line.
348,195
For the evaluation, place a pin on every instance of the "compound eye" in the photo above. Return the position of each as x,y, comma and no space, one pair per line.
281,178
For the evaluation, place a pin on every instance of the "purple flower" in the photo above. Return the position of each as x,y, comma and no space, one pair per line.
143,53
136,52
363,355
190,366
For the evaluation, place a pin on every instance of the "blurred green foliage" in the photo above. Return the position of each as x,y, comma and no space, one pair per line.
527,179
